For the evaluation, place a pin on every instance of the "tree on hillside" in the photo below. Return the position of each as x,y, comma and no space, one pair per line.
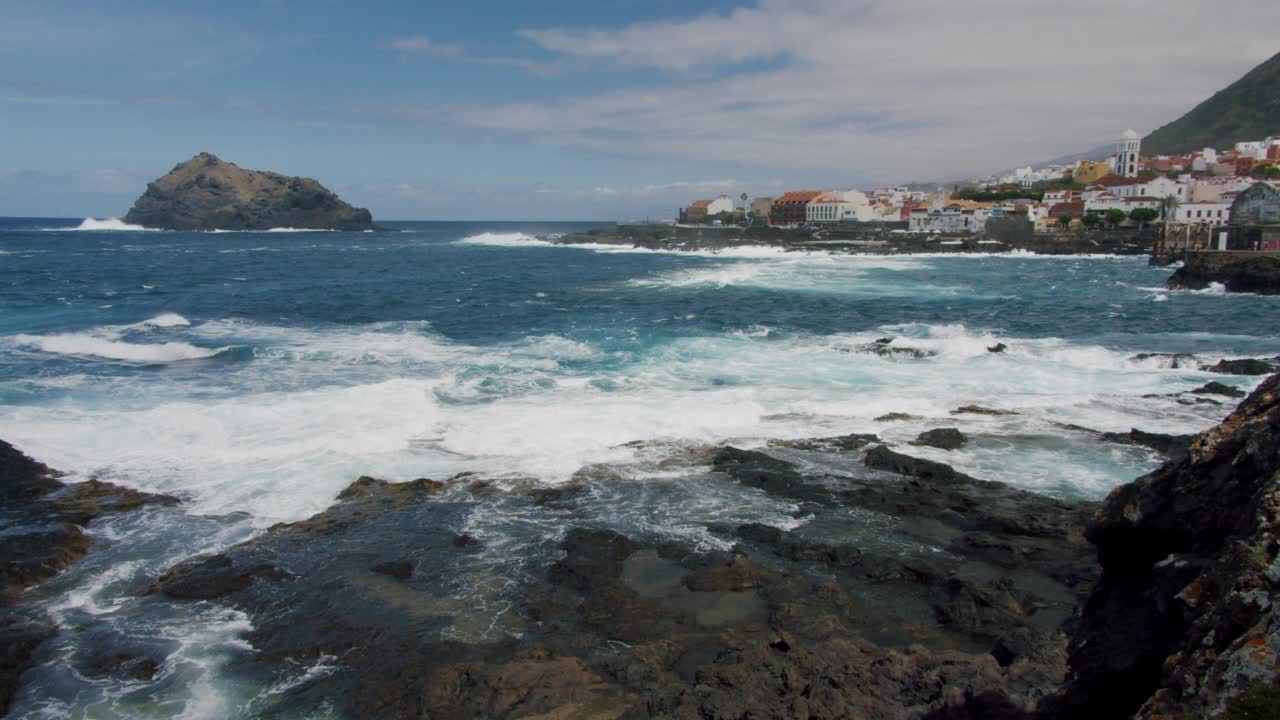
1114,216
1064,221
1092,219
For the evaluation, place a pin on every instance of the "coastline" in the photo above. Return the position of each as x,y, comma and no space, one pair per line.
874,241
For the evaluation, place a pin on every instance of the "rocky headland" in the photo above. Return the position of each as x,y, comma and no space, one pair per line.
911,590
875,238
206,193
1247,272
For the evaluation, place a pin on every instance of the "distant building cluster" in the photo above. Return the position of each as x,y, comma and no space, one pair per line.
1127,189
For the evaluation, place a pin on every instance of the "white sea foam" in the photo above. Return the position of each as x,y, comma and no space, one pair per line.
320,407
505,240
84,344
96,225
164,320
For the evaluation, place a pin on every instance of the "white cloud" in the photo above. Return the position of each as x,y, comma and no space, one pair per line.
893,90
422,45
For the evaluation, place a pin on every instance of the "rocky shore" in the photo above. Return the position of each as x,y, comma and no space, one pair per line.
206,193
42,532
1251,272
910,589
876,238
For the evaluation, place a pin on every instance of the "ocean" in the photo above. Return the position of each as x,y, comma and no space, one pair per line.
257,374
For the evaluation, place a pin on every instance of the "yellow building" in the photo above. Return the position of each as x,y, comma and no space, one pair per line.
1089,171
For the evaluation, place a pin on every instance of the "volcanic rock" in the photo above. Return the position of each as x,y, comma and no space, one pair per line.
205,193
1217,388
942,438
1243,366
1184,618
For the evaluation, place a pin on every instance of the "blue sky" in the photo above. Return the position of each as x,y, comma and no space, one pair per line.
576,110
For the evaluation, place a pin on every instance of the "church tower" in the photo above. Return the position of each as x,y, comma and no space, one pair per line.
1127,154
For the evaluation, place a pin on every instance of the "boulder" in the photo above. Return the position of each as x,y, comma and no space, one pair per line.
942,438
1243,366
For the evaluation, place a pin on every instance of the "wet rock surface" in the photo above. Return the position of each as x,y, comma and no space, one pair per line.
907,594
1183,619
942,438
1242,366
42,533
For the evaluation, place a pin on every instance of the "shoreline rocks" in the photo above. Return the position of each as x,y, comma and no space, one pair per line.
1183,620
41,534
1248,272
873,238
206,193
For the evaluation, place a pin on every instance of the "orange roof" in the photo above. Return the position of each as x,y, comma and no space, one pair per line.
798,196
701,203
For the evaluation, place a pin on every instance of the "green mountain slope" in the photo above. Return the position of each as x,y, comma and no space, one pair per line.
1248,109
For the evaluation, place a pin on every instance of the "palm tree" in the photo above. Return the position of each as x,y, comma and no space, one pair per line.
1169,207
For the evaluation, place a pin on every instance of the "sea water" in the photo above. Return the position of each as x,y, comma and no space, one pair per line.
255,375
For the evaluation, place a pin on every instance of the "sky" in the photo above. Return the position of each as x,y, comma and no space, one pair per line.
559,110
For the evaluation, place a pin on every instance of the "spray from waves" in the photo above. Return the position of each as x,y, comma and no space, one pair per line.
505,240
88,345
163,320
96,225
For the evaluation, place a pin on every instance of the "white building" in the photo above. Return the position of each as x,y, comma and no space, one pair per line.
953,216
1103,202
722,204
1127,152
1214,213
840,206
1159,186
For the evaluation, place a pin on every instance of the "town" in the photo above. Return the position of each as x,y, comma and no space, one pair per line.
1188,201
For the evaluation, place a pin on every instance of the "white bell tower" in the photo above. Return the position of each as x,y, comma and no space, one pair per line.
1127,150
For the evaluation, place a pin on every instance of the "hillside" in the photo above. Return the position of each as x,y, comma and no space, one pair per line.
1248,109
205,193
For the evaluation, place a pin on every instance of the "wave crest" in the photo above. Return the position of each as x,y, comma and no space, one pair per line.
90,345
97,225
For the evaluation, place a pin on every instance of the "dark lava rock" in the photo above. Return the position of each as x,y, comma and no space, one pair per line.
1254,272
882,458
774,476
884,349
1184,618
897,417
980,410
998,348
211,577
41,535
20,635
942,438
1172,446
398,569
1217,388
1175,360
829,444
1244,366
205,193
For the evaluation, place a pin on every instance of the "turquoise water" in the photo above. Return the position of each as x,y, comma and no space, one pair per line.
257,374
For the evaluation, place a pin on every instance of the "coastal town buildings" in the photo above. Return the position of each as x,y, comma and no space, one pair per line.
700,210
1255,219
791,207
1087,171
1127,154
955,216
761,207
840,206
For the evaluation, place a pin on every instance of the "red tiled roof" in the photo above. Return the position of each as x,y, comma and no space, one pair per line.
701,203
798,196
